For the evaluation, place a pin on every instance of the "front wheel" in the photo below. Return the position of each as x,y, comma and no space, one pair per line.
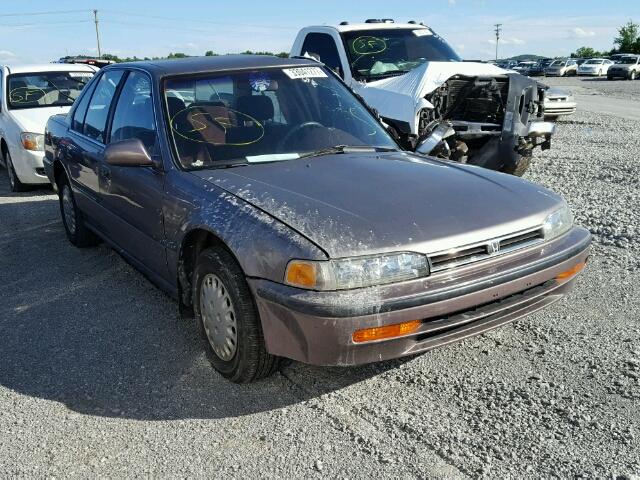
228,319
520,168
633,75
14,182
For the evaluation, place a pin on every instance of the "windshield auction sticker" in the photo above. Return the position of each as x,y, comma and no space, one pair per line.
304,72
423,32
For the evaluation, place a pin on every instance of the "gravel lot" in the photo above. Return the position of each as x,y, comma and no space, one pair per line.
100,377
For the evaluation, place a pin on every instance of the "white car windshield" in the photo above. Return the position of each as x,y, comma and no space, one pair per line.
593,62
375,54
45,89
266,115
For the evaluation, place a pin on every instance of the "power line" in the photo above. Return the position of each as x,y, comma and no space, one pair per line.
497,25
200,21
39,24
29,14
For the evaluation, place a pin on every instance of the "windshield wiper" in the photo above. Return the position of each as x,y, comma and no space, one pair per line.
337,149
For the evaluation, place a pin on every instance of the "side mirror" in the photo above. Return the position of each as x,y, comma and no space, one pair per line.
128,153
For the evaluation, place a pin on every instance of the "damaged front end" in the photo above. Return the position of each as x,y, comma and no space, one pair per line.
493,122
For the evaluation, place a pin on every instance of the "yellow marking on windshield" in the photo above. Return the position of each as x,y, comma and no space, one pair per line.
223,122
368,45
23,94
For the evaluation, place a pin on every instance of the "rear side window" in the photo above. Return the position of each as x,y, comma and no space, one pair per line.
323,45
80,111
96,119
133,117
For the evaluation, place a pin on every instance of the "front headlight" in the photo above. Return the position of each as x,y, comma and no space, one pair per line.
557,223
32,141
356,272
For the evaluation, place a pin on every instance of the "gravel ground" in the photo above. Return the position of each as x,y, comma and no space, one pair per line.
100,377
624,89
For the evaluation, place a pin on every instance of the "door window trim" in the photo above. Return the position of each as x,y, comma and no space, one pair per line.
116,94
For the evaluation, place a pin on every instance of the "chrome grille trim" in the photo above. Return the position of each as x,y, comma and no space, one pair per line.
457,257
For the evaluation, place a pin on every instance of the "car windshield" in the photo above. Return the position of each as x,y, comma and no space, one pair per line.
557,63
266,115
45,89
375,54
628,60
593,62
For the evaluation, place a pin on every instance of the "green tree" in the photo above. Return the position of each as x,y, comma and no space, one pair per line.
209,53
628,36
586,52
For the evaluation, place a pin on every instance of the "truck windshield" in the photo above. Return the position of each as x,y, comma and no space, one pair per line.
375,54
266,115
45,89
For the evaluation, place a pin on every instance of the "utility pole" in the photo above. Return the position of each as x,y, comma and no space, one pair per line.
95,19
497,25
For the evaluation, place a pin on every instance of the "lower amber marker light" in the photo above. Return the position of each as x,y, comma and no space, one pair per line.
386,331
571,272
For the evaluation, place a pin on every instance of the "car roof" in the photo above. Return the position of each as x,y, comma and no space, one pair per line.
351,27
50,67
195,65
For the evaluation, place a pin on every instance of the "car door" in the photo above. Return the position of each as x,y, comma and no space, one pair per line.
133,196
86,142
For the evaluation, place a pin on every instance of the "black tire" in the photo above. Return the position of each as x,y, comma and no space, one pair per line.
250,361
609,77
14,182
77,233
519,169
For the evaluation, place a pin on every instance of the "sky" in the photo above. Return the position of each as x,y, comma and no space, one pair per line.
41,31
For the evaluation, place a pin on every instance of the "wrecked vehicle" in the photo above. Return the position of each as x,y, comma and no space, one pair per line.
265,197
436,104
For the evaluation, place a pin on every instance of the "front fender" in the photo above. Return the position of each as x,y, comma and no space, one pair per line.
262,244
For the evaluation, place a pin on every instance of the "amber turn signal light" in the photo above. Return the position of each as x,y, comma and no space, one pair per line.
301,274
571,272
386,331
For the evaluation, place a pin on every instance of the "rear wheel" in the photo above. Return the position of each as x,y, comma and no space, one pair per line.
14,181
228,319
518,169
72,219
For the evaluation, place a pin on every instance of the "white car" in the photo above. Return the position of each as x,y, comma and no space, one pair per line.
29,95
595,66
558,103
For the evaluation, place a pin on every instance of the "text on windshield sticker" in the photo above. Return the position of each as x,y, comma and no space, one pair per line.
304,72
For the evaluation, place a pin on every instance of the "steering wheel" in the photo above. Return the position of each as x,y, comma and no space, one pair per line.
296,130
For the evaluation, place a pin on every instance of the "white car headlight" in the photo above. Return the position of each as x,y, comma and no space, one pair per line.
356,272
32,141
557,222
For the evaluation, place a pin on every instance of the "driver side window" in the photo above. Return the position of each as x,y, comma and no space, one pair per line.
323,45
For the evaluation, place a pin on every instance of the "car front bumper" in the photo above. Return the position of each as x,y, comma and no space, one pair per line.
618,73
28,166
556,108
317,327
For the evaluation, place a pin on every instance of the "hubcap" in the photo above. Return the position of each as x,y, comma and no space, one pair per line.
68,210
218,317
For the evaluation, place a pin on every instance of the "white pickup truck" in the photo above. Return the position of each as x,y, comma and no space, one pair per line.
432,101
29,95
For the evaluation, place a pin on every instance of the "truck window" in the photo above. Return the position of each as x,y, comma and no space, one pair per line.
323,45
133,117
96,119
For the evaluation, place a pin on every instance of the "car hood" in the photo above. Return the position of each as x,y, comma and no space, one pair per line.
402,96
35,119
358,204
